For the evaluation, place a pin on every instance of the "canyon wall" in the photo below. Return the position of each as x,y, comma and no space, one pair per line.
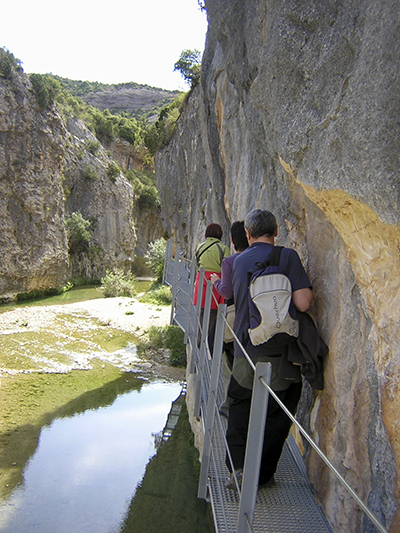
104,197
297,112
34,254
50,168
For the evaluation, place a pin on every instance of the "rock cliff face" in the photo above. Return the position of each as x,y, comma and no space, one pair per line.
48,170
32,238
297,112
103,199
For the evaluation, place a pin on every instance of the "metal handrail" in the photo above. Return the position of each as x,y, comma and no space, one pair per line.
362,505
370,515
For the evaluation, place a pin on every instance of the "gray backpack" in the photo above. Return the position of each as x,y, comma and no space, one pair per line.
270,303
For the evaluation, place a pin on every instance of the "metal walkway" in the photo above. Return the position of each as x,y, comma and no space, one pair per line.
288,506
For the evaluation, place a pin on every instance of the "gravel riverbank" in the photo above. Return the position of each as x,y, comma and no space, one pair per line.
59,338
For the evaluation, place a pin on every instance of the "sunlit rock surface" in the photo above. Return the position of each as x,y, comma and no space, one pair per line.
32,233
297,112
44,178
103,199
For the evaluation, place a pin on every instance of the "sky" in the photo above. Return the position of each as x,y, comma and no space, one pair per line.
111,42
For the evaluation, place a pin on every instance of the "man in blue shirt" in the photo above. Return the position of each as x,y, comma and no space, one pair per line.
261,230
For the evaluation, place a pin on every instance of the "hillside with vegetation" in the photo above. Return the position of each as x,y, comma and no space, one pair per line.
104,207
138,101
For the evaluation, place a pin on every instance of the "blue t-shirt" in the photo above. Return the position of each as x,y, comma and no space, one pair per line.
245,263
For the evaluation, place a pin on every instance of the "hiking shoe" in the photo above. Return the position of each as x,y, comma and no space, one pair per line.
268,484
234,480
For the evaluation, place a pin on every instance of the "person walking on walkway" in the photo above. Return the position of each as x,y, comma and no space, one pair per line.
223,284
261,230
209,254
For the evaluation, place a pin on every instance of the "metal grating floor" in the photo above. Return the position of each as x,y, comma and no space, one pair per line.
288,506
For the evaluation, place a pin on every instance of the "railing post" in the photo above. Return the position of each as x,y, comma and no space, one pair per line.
205,323
211,403
180,267
255,439
197,319
191,281
203,350
174,283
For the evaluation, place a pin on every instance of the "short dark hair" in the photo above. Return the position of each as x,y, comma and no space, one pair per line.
260,222
214,230
238,235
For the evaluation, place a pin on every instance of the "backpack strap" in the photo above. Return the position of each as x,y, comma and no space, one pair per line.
198,255
221,253
273,259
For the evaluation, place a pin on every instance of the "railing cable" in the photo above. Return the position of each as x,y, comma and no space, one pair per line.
370,515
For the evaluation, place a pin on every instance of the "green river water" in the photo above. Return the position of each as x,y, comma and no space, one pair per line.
84,446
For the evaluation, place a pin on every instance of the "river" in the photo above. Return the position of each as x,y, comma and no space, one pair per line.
82,447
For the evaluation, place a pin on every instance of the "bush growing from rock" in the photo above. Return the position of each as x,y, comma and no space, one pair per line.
78,233
169,337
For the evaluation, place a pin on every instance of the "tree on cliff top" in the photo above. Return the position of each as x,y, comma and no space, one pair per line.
8,62
189,65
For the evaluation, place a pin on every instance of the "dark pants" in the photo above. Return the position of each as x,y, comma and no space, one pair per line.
211,324
276,430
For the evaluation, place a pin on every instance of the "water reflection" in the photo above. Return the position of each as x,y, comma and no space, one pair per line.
86,468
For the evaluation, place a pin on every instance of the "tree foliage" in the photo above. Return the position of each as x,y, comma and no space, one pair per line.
46,89
155,257
8,63
105,125
189,65
78,233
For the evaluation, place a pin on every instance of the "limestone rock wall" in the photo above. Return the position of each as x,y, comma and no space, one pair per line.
297,112
103,199
148,227
32,234
48,170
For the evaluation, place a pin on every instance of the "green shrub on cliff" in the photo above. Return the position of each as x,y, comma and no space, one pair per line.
90,173
8,63
148,198
78,233
46,89
159,134
113,171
